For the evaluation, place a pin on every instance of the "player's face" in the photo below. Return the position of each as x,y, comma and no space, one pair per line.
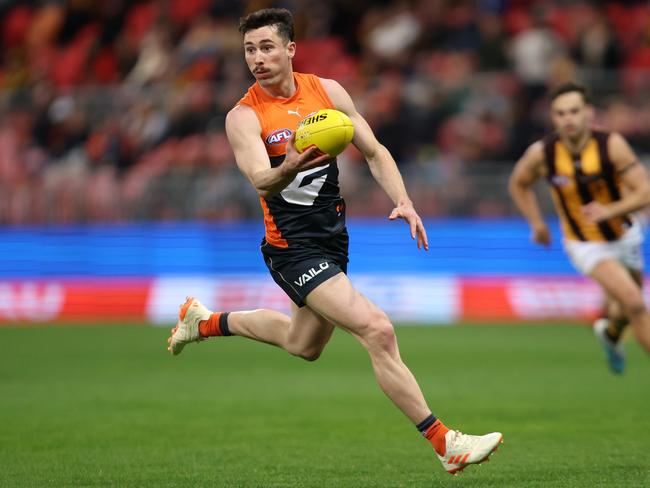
570,115
268,55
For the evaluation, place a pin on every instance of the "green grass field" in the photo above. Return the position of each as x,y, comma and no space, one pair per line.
107,406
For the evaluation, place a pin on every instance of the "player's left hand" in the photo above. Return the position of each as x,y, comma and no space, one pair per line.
407,212
595,212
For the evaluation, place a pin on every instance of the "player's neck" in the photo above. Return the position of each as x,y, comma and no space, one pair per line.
575,146
284,88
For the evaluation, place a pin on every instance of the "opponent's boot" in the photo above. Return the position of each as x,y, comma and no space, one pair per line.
613,350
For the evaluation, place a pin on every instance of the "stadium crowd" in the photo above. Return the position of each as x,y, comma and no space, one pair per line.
114,110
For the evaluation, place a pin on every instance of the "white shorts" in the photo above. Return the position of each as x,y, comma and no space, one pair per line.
585,255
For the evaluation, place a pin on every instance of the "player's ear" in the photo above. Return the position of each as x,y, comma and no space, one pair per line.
291,49
591,112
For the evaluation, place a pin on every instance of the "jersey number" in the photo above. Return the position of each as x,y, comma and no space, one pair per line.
305,187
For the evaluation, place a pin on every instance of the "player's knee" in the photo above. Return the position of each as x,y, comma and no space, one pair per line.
379,331
635,306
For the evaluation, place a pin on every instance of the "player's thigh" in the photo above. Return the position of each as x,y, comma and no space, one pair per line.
616,280
637,276
584,256
308,330
340,303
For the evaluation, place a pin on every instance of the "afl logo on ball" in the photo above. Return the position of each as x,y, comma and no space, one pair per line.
278,136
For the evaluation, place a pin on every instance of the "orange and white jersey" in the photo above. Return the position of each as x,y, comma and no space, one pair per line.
311,205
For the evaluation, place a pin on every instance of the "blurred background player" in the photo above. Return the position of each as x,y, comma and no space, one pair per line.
306,242
597,183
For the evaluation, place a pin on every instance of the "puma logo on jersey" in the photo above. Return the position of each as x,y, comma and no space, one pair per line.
311,273
294,112
278,136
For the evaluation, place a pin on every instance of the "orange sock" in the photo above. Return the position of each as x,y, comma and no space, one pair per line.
436,435
210,327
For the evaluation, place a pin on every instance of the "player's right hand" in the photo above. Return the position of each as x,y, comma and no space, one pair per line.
541,234
295,162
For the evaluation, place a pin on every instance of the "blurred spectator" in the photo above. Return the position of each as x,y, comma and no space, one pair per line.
391,31
492,50
597,47
154,58
534,49
114,110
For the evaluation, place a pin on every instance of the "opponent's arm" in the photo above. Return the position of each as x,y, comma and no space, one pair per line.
381,163
244,134
520,186
634,178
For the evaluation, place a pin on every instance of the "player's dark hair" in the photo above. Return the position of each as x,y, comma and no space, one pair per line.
281,18
569,87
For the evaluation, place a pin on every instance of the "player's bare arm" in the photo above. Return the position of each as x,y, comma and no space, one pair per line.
243,131
381,163
526,172
634,177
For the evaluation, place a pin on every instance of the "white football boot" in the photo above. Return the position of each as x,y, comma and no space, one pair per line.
613,350
187,327
461,450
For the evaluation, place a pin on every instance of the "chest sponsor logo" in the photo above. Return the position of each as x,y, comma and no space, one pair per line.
278,136
311,273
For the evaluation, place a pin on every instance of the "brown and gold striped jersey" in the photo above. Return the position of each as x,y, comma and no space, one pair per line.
578,179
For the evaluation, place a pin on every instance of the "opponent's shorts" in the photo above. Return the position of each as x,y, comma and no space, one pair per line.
585,255
304,265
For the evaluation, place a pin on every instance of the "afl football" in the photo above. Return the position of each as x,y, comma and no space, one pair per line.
329,130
